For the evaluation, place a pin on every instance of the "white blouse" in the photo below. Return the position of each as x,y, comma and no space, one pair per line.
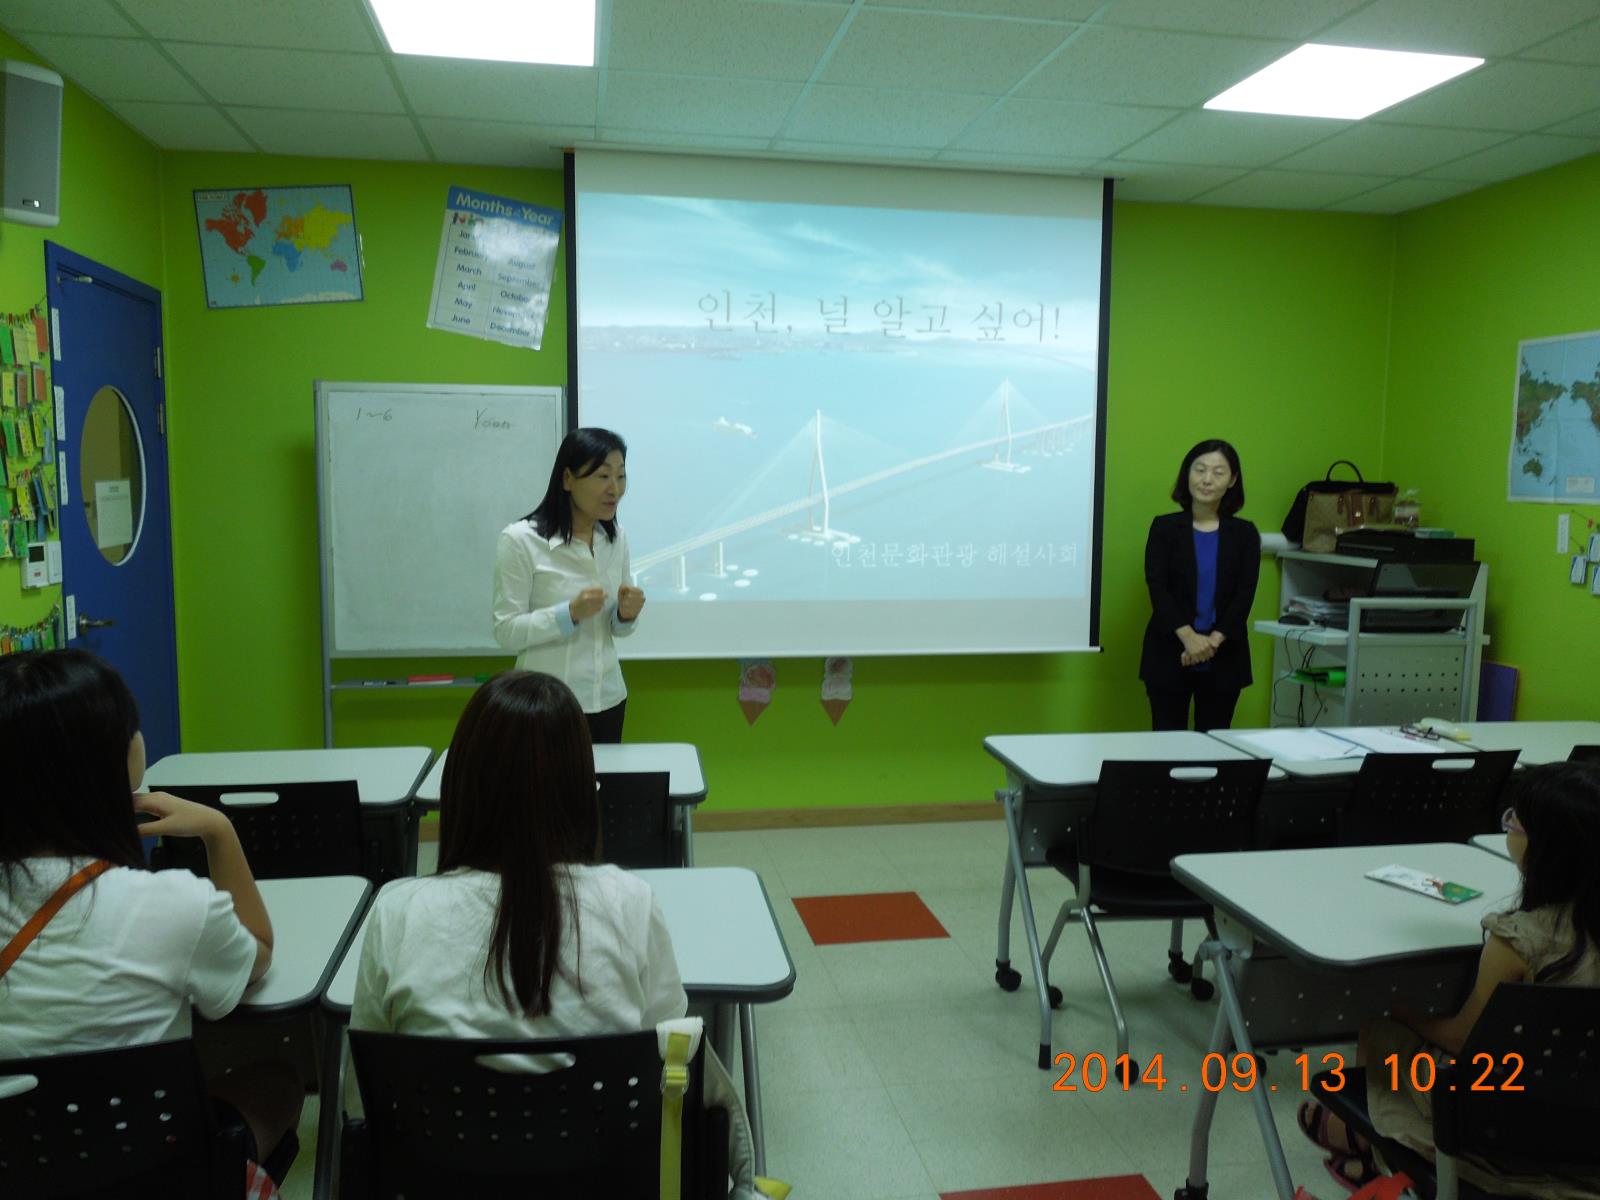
534,579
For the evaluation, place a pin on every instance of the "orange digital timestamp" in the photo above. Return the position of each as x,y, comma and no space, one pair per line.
1240,1072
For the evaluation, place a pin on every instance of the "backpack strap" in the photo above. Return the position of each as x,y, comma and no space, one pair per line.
36,923
674,1083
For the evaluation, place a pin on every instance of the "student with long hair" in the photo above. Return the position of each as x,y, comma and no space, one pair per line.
130,951
563,587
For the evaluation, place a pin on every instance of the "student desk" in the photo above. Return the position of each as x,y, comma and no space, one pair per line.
1288,975
730,953
385,776
1494,843
1050,780
686,783
1539,741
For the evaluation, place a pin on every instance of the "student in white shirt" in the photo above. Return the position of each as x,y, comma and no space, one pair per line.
124,958
523,933
563,590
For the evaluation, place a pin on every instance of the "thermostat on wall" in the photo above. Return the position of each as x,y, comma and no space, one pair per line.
35,568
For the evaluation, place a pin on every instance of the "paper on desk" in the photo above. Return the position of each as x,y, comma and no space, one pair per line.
1392,741
1300,745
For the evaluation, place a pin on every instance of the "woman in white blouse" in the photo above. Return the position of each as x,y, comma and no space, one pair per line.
563,590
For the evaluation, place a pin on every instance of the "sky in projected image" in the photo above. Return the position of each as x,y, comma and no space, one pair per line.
716,335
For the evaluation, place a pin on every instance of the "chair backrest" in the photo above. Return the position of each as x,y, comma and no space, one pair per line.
287,829
1426,797
1545,1039
1145,813
1584,754
449,1117
128,1123
636,820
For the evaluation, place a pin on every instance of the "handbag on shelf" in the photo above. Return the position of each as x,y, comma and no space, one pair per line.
1327,507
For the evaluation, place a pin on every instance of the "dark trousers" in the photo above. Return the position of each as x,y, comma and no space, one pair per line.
606,726
1213,706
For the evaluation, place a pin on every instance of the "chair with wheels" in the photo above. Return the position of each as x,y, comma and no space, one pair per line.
1426,797
636,820
1523,1096
133,1123
557,1118
1146,813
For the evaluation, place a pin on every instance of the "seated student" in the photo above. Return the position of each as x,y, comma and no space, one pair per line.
522,934
1551,936
122,961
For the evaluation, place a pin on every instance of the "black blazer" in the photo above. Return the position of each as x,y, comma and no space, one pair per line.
1170,572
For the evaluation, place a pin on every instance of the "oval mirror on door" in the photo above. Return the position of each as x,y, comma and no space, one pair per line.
111,475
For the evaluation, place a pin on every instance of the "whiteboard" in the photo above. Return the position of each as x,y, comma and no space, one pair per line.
414,484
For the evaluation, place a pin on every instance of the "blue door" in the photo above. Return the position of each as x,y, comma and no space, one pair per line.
116,538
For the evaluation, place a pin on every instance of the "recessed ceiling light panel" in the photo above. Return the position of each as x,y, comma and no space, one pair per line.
559,32
1346,82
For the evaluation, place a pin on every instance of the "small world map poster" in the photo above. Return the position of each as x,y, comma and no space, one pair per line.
1555,438
280,245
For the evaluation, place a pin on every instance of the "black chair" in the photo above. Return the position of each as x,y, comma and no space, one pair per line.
1146,814
288,830
442,1123
1589,754
636,820
1426,797
1542,1038
134,1123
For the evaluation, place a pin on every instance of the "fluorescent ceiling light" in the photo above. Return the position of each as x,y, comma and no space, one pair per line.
1340,81
527,31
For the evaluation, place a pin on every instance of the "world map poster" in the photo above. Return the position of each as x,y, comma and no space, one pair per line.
285,245
1555,437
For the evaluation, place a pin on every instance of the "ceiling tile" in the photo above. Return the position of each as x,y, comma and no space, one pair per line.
353,135
1046,163
1516,96
722,38
657,140
1290,189
1229,139
1580,46
1054,127
1482,27
1519,156
1296,19
1047,10
330,83
736,107
182,126
909,49
1389,149
1167,183
1587,125
114,68
451,87
291,24
501,143
835,152
860,116
1403,195
1140,66
52,16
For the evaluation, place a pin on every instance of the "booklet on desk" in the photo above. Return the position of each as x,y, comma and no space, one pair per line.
1414,880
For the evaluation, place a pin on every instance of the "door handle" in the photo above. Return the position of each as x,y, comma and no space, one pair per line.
87,623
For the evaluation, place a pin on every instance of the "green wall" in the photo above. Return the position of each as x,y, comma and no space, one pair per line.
110,189
1474,276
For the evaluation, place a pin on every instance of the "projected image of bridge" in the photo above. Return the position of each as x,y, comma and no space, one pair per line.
798,498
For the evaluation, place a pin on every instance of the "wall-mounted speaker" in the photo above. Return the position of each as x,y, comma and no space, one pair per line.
30,159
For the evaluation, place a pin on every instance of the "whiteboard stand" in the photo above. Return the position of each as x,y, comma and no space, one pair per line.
414,484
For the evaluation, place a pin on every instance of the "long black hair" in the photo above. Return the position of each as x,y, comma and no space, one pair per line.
67,720
518,799
1232,499
583,452
1558,806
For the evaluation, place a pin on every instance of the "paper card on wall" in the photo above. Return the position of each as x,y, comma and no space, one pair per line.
24,389
24,499
8,427
5,539
36,419
8,389
1580,569
757,679
8,347
1594,581
41,335
1594,547
25,435
40,388
836,687
20,340
113,510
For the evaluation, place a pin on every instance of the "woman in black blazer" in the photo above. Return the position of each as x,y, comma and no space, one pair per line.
1201,565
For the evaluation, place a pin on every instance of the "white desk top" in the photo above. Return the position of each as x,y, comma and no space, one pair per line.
686,783
1494,843
1539,741
1354,741
383,774
1066,760
313,919
725,937
1285,897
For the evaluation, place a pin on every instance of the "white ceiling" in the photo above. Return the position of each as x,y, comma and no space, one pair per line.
1083,87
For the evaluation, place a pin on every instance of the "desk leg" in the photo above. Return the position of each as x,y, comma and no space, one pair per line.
724,1017
687,811
1019,873
330,1110
752,1085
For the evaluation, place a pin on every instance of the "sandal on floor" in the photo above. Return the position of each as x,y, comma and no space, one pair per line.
1352,1172
1313,1120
